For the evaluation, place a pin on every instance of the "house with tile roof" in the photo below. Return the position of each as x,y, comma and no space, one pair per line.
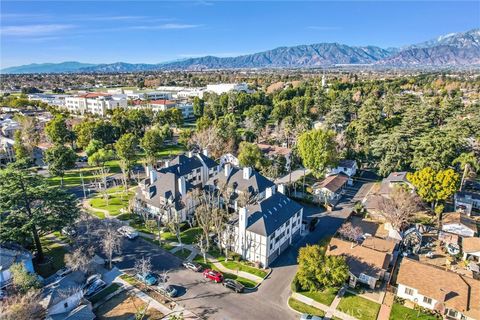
471,249
366,265
434,288
264,229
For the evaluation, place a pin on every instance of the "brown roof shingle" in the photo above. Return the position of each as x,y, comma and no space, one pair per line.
455,291
471,244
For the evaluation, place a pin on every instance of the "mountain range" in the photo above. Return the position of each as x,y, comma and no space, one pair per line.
451,50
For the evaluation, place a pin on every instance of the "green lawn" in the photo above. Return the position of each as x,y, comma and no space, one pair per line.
129,279
188,236
55,253
165,245
400,312
209,265
117,200
358,307
183,254
241,266
105,292
304,308
72,177
325,297
99,215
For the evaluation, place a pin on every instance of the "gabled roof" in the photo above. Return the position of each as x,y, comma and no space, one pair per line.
55,291
82,312
269,214
350,164
471,244
459,218
379,244
165,187
209,162
183,165
256,183
359,259
392,179
455,291
333,183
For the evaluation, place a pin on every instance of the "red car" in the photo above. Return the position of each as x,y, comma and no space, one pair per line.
213,275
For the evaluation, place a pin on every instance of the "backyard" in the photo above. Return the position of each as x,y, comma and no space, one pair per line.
358,307
54,254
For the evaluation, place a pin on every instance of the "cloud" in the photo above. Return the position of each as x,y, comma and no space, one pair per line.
33,30
323,28
179,26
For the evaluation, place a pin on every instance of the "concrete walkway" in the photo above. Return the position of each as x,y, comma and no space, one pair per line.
386,308
86,205
335,302
152,303
330,311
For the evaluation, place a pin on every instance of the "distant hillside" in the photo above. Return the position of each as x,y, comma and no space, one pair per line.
68,66
455,49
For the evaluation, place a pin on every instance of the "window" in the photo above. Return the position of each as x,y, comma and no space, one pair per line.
288,222
409,291
427,300
271,245
452,313
65,305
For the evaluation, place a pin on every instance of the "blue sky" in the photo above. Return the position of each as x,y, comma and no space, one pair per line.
152,32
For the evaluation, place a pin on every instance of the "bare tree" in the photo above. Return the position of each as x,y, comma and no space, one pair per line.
202,245
399,210
143,266
219,217
80,259
174,225
203,216
111,243
101,182
348,231
228,239
23,306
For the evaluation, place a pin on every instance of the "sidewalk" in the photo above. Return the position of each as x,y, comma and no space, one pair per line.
386,307
330,311
157,305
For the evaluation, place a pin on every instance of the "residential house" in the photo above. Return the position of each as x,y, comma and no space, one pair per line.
330,189
10,254
471,248
273,151
435,288
458,223
96,103
467,202
242,184
348,167
7,152
229,158
166,192
393,180
82,312
8,127
366,265
266,228
63,295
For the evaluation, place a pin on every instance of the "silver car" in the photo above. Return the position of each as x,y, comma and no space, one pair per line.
307,316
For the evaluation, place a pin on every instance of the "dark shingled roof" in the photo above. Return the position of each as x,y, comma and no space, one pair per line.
166,186
346,163
269,214
82,312
183,165
256,183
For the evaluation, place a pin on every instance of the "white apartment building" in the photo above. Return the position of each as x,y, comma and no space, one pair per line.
149,95
163,105
51,99
265,229
227,87
95,103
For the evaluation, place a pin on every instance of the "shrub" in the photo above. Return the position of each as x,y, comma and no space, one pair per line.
296,286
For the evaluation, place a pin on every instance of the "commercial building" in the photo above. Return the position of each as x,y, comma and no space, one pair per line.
96,103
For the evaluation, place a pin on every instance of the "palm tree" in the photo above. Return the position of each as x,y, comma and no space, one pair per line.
468,162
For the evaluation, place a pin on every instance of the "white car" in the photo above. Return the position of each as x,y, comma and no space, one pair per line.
128,232
307,316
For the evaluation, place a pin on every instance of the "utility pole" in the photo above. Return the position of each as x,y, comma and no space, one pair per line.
83,186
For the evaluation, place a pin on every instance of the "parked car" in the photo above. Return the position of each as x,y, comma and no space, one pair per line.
69,231
92,279
192,266
83,159
167,290
94,287
128,232
307,316
149,278
234,285
430,254
63,272
213,275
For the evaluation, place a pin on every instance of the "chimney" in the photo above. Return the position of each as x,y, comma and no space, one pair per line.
167,164
190,154
247,172
205,152
242,229
182,187
152,174
281,188
227,169
269,192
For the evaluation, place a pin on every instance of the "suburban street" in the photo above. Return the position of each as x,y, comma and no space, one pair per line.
213,301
